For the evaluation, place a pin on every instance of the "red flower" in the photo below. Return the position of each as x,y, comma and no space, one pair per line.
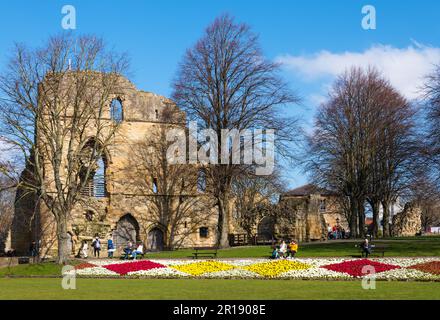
432,267
84,266
124,268
355,267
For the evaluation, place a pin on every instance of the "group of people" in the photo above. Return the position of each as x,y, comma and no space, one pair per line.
96,245
133,251
284,250
335,232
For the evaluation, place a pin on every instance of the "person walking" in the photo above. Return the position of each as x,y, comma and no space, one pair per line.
96,247
85,249
110,247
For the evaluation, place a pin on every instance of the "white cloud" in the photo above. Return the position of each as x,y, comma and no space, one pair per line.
405,68
7,153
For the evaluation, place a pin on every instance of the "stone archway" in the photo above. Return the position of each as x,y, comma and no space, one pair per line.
155,239
127,230
265,229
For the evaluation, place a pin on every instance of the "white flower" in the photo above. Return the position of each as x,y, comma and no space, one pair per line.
159,272
403,274
314,273
96,271
232,274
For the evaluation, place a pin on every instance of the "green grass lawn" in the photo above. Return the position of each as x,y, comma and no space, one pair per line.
417,247
38,287
182,289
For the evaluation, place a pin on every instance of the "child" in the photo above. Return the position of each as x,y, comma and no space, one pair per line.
85,249
275,253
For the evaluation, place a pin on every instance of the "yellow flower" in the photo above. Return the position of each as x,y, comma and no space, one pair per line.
199,268
274,268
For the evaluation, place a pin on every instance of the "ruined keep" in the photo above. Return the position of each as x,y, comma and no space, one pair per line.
116,205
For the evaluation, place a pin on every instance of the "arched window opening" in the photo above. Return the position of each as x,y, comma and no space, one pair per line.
116,112
93,171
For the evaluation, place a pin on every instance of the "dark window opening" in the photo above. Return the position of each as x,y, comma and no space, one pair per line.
156,114
322,206
89,215
155,189
203,232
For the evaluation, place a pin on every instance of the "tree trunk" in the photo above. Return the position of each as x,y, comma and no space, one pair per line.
223,224
62,238
375,210
353,219
386,219
361,217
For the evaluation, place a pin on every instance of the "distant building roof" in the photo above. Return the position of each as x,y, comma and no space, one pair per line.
368,221
307,190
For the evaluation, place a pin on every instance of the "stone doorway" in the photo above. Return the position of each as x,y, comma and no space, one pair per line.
265,230
127,230
155,239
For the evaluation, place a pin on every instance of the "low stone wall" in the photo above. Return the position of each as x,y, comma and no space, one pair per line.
6,261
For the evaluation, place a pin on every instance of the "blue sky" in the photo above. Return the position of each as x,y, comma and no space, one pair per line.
314,39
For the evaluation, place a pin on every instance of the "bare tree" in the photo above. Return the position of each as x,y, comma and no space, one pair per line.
363,146
224,82
55,108
7,192
254,196
168,190
432,98
424,193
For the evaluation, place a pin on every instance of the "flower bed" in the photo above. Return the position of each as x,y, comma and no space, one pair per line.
200,268
277,267
356,268
432,267
124,268
423,269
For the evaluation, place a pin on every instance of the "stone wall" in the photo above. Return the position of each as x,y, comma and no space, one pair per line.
303,218
407,222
